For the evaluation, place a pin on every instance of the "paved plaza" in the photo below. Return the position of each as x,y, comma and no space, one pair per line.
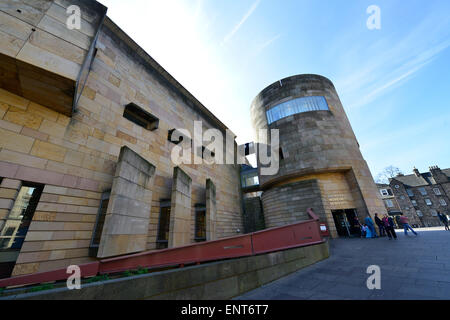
411,268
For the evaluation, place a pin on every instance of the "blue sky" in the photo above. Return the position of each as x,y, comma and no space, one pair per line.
394,82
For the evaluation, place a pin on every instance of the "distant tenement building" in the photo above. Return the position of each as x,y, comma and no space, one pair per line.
421,195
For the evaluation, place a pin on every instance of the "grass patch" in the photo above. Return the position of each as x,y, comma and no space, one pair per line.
43,287
98,278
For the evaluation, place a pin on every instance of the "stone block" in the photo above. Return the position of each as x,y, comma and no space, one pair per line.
42,111
13,100
48,151
11,184
15,142
23,118
6,204
22,159
52,128
126,225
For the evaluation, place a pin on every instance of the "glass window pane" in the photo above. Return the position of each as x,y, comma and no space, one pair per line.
18,221
299,105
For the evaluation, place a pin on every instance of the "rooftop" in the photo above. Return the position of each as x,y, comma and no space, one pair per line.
423,179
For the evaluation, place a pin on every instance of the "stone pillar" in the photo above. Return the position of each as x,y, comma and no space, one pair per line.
180,210
128,213
211,210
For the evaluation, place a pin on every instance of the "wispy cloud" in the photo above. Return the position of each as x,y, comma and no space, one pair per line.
267,43
241,23
402,73
392,63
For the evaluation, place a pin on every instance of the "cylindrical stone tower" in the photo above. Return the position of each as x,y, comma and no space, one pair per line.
321,165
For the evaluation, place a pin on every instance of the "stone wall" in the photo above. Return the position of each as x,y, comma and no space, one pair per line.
76,157
41,59
253,215
287,204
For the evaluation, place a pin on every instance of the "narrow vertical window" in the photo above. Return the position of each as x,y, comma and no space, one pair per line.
162,240
281,154
200,222
100,222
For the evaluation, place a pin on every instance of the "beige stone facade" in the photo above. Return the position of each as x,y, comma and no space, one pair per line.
74,154
319,148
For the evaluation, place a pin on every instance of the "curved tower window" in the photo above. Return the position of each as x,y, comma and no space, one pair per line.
295,106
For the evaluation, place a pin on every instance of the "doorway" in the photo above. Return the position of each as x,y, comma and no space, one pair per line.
346,222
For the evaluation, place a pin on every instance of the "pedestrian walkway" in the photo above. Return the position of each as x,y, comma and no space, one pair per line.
411,268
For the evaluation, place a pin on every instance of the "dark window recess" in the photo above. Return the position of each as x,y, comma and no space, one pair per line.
281,154
162,241
249,148
139,116
15,228
1,180
200,223
206,152
100,222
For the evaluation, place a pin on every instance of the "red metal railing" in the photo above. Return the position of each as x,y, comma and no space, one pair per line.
292,236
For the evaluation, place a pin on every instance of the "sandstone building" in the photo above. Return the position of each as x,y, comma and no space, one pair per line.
321,165
422,195
85,168
87,120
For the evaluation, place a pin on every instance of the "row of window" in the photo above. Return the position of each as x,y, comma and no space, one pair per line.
433,212
430,203
295,106
423,191
142,118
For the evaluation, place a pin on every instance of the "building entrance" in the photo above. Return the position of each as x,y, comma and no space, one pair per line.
346,223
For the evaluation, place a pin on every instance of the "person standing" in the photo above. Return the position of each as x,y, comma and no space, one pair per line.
364,231
389,226
368,232
371,226
444,220
357,226
380,225
405,222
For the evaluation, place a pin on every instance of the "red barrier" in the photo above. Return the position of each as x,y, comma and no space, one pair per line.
276,239
292,236
87,270
206,251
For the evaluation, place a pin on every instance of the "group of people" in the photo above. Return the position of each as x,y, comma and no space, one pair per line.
386,226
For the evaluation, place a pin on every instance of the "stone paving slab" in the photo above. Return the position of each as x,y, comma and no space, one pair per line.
412,268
